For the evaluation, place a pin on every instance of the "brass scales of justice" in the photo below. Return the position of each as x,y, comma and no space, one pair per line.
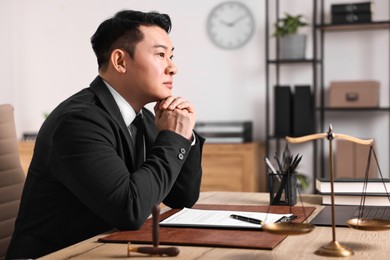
334,248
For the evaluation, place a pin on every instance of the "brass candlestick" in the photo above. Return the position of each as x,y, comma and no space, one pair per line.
334,248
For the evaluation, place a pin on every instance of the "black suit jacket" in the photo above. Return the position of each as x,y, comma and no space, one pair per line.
81,180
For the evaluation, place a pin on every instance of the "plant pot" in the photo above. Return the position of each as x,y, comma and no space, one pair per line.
292,47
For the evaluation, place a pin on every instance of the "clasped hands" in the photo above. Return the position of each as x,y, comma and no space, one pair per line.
175,114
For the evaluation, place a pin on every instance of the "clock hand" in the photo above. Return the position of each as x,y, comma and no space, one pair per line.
231,24
226,23
238,19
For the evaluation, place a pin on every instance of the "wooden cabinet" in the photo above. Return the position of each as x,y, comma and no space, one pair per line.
26,149
226,167
233,167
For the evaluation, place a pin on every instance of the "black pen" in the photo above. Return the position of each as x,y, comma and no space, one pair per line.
246,219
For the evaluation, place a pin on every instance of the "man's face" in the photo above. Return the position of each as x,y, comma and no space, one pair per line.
150,72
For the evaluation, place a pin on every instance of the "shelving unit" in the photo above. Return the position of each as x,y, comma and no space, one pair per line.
320,29
273,77
324,28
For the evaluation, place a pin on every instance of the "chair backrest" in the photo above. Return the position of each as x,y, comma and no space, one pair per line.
12,176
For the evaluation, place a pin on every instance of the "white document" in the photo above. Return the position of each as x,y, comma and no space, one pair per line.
218,218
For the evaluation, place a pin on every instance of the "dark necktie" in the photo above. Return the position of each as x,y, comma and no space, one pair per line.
139,141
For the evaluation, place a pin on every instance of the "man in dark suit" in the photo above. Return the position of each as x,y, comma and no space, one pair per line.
83,179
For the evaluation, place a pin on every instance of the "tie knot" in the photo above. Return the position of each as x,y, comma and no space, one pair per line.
136,126
137,122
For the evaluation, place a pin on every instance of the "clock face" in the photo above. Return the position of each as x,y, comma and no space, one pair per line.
230,25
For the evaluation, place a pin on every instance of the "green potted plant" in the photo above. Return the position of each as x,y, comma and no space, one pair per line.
292,45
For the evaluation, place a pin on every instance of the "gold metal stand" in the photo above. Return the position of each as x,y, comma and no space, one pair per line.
334,248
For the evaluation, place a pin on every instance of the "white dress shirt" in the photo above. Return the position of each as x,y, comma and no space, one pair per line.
127,111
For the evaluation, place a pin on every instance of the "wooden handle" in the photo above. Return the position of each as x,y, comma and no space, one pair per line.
154,250
156,225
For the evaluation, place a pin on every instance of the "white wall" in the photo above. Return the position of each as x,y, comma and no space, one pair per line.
45,56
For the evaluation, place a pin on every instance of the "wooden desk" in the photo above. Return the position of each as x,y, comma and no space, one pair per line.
366,245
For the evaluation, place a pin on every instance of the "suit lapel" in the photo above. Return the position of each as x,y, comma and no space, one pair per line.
104,95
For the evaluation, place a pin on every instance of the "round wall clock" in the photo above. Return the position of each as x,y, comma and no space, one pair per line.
230,25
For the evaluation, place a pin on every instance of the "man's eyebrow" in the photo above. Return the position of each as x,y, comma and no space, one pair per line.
162,46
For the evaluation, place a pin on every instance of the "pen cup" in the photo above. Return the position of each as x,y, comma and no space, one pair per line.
283,188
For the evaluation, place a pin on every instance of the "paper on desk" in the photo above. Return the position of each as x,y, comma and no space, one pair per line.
217,218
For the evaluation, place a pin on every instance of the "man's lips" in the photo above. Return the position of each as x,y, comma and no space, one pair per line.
169,84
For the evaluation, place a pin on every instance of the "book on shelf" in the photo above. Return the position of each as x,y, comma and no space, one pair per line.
352,13
354,185
303,111
283,110
364,7
351,18
356,199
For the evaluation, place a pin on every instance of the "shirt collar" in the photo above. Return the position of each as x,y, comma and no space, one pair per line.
126,110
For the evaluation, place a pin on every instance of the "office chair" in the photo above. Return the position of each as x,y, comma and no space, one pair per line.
11,176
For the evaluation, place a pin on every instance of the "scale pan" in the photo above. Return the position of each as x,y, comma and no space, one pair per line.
369,224
288,228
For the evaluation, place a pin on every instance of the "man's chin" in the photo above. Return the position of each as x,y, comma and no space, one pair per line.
162,97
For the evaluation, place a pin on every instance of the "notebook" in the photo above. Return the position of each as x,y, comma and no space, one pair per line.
344,213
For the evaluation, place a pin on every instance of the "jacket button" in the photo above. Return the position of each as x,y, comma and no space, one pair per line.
182,150
180,156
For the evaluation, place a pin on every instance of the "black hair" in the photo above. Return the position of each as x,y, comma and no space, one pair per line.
122,32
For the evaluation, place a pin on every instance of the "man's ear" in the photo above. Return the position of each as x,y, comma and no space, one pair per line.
118,60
